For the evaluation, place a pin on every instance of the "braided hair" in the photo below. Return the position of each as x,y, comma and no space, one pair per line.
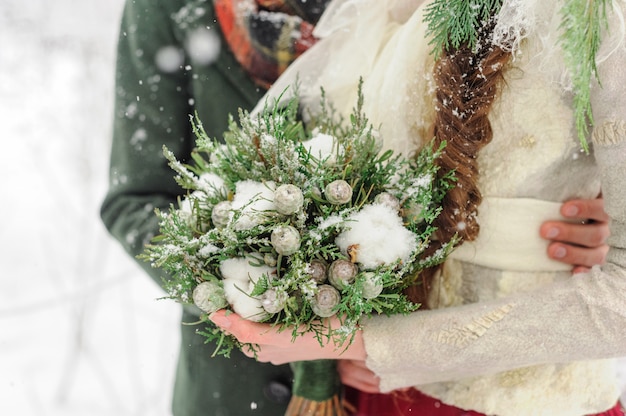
467,81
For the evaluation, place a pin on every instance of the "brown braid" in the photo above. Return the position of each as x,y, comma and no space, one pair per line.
467,84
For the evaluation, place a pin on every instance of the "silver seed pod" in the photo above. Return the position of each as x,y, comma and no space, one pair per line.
385,198
338,192
412,213
288,199
341,273
285,240
317,270
270,259
372,285
209,297
273,300
221,214
325,301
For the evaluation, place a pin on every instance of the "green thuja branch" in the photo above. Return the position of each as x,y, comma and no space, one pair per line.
452,23
581,25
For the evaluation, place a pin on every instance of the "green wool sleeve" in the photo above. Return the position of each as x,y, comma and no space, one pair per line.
159,85
151,110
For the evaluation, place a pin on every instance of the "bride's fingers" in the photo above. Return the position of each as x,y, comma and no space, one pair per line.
249,332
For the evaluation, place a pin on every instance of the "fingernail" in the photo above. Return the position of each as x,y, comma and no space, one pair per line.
552,232
571,211
560,252
220,320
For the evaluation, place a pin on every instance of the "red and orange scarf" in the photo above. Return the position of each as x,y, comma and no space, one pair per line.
267,35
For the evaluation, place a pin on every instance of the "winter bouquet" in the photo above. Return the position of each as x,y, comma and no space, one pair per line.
288,223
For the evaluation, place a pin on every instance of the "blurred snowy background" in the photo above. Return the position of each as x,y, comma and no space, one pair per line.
81,331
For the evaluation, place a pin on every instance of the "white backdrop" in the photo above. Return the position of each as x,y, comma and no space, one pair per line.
81,331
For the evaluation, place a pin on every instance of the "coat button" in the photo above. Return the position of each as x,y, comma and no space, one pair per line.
277,391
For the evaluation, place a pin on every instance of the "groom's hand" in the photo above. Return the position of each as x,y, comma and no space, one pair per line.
581,243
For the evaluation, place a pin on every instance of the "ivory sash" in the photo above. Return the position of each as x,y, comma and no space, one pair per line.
509,236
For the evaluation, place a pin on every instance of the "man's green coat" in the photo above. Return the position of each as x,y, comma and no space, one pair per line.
164,74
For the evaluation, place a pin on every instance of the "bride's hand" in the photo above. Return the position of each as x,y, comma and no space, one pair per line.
280,347
582,243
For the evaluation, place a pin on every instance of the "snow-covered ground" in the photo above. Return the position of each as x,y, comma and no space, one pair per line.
81,331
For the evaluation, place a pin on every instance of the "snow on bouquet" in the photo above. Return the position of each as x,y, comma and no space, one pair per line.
288,223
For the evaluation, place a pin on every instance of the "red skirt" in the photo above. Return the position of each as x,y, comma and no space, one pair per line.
413,403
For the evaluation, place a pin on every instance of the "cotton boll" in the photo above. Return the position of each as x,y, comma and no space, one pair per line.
254,199
222,213
378,233
185,210
240,276
238,296
322,146
244,270
210,183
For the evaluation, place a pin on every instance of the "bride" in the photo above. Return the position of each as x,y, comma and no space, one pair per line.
505,330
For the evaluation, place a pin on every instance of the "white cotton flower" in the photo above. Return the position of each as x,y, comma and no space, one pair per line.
208,249
210,183
185,210
338,192
285,240
379,235
245,269
209,296
222,213
288,199
254,199
240,276
238,296
322,147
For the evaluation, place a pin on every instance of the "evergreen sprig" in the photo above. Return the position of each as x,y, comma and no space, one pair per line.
582,24
452,23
